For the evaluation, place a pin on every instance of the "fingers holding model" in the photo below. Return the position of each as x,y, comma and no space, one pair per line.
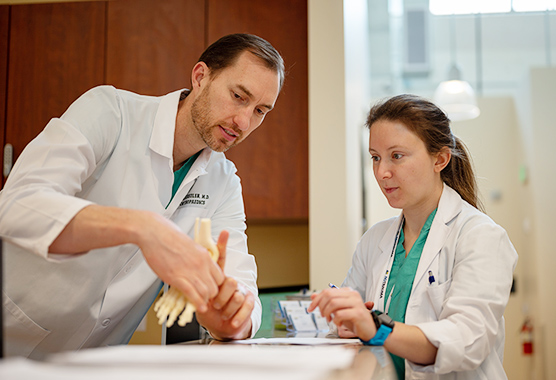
233,319
229,314
181,262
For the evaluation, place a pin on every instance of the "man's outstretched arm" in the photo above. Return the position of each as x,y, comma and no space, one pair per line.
171,254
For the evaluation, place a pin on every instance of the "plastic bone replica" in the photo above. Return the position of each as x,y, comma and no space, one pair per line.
171,304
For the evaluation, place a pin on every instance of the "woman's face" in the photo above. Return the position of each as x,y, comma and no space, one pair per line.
408,175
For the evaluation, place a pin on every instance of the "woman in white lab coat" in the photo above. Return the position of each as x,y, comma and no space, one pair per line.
442,270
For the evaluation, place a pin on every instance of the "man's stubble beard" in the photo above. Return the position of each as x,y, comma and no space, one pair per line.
202,120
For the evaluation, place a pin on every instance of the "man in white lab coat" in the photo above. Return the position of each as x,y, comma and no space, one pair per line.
100,207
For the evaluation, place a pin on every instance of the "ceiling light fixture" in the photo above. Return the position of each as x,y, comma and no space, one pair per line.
456,96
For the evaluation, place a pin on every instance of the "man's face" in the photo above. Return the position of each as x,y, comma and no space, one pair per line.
234,102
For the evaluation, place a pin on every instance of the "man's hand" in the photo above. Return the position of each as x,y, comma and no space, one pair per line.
171,254
229,313
181,262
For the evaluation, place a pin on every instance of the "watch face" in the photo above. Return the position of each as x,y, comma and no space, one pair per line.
386,320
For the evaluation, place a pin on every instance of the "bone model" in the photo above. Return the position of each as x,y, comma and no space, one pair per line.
171,304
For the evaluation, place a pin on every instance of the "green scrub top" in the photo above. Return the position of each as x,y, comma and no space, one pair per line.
401,280
180,174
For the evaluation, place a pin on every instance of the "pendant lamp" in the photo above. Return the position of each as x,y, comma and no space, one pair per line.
455,96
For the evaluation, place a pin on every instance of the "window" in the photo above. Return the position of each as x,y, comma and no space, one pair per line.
448,7
533,5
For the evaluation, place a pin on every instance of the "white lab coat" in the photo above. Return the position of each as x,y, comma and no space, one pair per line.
461,313
112,148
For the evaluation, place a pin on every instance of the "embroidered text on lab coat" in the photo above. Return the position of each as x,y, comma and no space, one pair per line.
195,199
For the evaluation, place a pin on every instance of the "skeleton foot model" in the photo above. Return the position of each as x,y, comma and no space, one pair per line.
173,302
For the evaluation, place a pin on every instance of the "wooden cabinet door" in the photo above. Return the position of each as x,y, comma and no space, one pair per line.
4,23
153,45
273,161
56,52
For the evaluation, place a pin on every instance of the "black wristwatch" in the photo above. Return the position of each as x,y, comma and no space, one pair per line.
384,326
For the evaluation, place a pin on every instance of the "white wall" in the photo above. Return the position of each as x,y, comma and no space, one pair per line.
327,155
494,144
538,132
337,104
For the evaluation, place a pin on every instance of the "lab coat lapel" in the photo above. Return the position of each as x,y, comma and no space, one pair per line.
198,169
162,143
448,208
385,246
162,137
387,242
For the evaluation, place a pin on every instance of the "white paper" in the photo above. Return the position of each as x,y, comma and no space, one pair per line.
320,322
305,341
287,303
303,322
227,361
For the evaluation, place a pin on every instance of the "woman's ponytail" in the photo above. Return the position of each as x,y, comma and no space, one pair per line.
459,174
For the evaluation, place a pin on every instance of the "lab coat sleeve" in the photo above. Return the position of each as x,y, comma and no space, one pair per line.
356,278
368,262
230,216
38,200
473,307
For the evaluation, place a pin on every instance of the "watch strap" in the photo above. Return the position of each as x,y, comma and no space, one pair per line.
383,330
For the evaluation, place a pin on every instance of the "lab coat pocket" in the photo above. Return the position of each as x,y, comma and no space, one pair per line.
22,333
437,294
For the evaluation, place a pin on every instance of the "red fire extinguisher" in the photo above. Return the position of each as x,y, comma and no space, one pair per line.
527,337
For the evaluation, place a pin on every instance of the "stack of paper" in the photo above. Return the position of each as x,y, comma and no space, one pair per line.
298,319
208,362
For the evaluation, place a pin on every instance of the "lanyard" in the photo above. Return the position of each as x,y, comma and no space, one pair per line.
389,267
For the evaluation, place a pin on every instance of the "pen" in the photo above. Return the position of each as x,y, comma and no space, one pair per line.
431,278
332,285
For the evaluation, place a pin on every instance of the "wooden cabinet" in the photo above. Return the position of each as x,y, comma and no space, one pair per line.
4,32
273,161
153,45
58,51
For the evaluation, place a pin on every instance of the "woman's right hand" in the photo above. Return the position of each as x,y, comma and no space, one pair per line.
344,332
346,309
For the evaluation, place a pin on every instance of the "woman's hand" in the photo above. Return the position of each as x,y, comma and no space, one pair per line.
347,310
344,332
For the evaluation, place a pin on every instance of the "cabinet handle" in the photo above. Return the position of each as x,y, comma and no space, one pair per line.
8,158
